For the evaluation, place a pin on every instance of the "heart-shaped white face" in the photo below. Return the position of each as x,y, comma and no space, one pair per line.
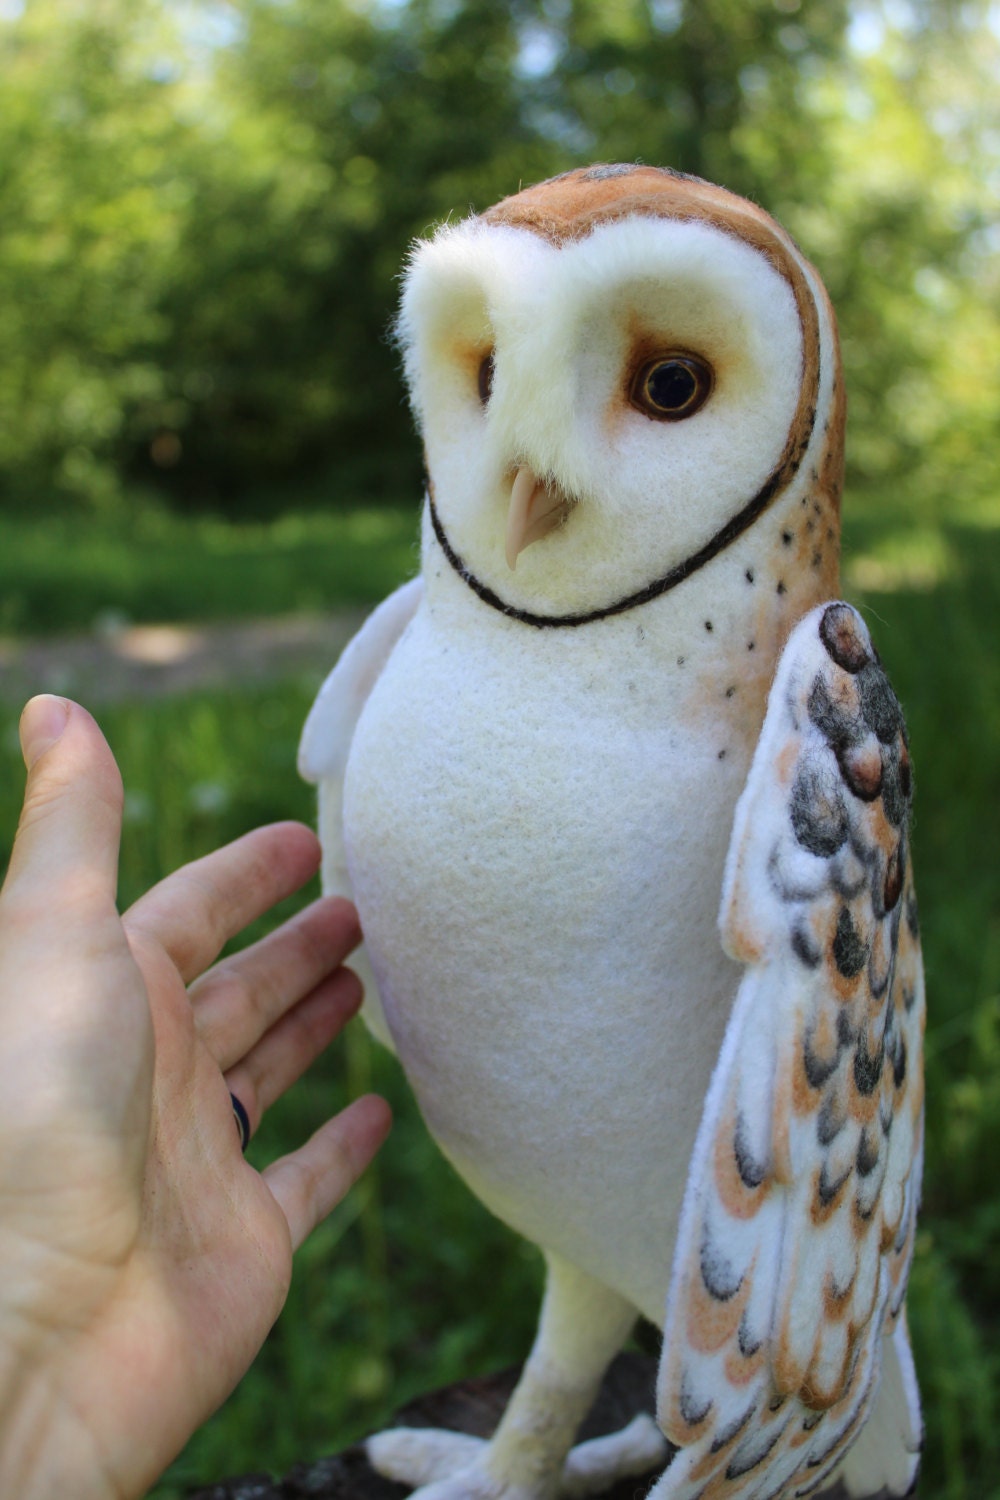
652,376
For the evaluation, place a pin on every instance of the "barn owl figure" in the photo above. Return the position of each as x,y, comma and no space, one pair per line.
621,792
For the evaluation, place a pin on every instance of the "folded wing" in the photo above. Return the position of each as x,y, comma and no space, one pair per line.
326,745
798,1223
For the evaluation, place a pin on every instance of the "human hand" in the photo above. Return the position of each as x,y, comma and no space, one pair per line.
142,1258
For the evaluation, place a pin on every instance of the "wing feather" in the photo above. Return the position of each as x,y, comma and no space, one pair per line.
798,1222
329,728
325,746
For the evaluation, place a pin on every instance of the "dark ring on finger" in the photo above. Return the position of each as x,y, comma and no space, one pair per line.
242,1121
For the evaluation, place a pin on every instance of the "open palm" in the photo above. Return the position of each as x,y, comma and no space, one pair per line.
142,1259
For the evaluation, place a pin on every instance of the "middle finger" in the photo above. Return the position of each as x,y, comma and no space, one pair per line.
243,996
192,914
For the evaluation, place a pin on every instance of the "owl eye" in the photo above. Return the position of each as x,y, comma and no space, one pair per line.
486,377
672,386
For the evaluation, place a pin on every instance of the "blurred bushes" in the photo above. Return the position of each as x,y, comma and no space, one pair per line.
203,207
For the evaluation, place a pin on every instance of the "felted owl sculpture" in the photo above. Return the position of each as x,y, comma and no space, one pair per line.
621,792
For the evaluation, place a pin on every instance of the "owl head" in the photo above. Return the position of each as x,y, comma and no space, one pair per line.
618,375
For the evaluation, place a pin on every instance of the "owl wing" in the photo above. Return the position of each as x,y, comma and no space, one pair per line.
797,1227
326,743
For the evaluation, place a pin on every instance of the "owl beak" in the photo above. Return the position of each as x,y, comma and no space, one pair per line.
536,508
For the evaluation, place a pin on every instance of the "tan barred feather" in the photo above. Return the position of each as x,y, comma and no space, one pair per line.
798,1225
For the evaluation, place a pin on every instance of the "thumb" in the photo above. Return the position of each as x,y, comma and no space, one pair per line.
66,844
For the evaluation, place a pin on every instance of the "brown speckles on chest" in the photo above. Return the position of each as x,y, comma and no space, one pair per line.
804,549
724,703
732,653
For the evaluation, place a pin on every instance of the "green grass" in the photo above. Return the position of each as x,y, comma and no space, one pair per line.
69,572
411,1284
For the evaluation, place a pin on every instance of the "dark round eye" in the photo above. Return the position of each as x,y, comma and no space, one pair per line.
672,386
486,377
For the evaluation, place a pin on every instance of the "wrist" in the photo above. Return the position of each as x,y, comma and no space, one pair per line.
46,1446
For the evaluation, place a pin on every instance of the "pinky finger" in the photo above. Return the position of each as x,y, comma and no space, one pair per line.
310,1182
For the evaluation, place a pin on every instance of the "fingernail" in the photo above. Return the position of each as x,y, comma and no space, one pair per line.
42,722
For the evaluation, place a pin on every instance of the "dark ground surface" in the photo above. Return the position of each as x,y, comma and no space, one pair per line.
473,1406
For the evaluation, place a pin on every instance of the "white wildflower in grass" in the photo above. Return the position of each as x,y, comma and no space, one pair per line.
209,797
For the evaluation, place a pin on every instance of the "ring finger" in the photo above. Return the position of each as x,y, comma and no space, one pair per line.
284,1053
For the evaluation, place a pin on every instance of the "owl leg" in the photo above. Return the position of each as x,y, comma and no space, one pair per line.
583,1324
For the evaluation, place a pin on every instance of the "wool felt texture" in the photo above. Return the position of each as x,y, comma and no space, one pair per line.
799,1219
563,324
528,782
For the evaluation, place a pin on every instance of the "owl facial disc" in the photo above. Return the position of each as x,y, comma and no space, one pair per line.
614,376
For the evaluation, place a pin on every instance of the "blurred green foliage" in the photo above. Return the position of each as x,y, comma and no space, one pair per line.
204,206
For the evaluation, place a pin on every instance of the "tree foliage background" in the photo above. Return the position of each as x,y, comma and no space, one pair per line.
204,206
203,210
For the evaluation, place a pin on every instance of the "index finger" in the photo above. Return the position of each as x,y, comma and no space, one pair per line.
193,913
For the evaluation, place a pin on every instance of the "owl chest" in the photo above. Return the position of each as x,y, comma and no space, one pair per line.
534,847
536,851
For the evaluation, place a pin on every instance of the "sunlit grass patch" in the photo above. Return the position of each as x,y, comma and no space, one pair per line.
913,560
74,571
